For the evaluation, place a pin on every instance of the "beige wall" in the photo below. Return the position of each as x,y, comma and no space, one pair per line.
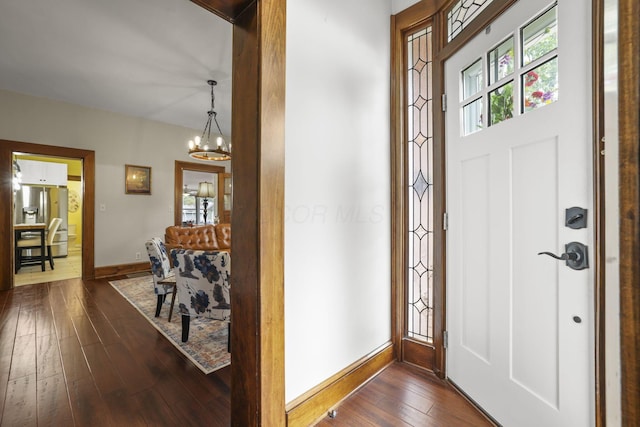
128,220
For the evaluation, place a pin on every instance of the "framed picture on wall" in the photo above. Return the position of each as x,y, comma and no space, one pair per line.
137,179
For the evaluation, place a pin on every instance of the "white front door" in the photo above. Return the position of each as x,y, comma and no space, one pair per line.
518,135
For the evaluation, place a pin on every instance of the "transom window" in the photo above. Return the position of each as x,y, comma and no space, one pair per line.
462,13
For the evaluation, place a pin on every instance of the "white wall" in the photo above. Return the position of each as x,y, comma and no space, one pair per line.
129,220
337,189
400,5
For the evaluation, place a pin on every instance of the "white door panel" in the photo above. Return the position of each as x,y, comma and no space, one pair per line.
521,324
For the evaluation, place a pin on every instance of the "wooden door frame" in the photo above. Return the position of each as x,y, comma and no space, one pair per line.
7,148
178,185
257,242
629,170
408,350
417,15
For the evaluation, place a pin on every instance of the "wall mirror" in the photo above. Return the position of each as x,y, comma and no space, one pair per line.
188,209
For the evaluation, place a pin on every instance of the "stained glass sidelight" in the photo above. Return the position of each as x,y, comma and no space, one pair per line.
420,188
462,13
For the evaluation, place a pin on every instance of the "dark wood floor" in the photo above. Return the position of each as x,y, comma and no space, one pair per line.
76,353
402,395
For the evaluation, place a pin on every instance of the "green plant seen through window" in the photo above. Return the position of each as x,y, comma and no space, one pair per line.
501,99
540,85
501,103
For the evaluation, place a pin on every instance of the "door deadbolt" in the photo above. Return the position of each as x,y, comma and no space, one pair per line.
576,255
576,218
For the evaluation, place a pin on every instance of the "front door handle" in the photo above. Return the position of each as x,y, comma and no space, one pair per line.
576,255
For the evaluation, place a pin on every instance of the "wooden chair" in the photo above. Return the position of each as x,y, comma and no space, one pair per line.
34,243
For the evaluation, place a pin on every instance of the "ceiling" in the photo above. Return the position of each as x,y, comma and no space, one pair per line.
143,58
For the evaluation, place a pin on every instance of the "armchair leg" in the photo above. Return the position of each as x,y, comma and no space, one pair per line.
159,304
186,320
173,300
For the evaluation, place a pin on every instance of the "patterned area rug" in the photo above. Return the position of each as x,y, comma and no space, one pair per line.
207,345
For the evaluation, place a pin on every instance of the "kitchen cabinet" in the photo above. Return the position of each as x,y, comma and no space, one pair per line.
43,173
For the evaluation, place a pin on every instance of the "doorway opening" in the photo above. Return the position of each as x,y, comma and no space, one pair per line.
44,188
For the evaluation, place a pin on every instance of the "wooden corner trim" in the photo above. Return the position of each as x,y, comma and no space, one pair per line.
313,405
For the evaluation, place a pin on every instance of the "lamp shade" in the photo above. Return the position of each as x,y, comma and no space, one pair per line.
205,189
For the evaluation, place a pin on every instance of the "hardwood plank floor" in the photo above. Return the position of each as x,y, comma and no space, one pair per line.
75,353
403,395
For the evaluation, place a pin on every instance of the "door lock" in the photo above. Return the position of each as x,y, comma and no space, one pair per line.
576,218
576,255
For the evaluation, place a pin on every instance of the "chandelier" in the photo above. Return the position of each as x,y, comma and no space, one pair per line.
201,148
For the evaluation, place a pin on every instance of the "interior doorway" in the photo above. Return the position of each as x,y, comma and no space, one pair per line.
45,187
85,225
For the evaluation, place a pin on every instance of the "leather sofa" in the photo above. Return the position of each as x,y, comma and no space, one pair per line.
203,237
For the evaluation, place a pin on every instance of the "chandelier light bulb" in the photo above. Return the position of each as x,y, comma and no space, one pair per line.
191,145
219,141
197,138
206,147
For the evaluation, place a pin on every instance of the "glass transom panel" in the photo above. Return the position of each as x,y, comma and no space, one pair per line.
462,13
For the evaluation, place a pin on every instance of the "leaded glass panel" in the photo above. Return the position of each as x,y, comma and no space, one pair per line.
462,13
420,188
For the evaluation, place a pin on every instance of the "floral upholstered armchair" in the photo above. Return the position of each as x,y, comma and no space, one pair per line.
164,281
202,281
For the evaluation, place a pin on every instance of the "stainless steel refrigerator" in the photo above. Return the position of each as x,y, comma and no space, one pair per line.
39,204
